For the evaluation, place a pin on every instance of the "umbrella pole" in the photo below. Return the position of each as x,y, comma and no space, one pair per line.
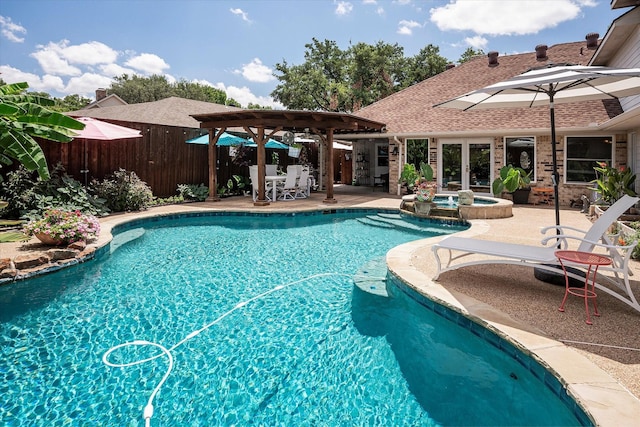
554,176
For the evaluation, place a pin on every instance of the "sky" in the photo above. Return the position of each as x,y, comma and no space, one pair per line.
66,47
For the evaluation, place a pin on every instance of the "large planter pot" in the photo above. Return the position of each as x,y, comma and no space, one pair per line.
521,196
48,240
423,208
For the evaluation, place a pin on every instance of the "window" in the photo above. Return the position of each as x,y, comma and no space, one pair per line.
417,151
383,155
521,152
582,154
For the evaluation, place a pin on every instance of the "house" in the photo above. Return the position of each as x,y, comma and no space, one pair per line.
161,157
620,48
104,100
468,148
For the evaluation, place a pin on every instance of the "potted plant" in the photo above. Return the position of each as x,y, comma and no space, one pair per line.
425,188
60,227
408,177
613,183
514,180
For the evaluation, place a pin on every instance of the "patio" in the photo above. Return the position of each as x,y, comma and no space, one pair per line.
507,298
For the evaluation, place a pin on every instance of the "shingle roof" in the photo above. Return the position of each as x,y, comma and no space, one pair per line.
411,110
171,111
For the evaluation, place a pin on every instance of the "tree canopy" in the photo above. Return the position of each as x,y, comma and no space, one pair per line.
135,89
332,79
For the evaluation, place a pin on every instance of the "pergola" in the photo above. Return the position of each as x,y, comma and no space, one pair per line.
263,124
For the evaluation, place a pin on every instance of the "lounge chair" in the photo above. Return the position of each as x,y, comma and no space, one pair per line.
543,257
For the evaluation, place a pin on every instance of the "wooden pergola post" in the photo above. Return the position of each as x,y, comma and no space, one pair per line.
213,160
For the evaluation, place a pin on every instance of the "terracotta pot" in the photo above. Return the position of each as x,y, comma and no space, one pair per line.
48,240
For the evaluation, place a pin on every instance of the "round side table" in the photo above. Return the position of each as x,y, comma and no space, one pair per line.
591,261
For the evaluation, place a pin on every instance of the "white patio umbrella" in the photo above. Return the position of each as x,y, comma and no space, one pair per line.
553,83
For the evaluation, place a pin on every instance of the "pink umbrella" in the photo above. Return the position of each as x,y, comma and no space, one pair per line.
98,130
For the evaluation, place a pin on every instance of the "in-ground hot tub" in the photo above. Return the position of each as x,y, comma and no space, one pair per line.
483,207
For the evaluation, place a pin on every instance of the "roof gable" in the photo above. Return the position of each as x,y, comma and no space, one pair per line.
171,111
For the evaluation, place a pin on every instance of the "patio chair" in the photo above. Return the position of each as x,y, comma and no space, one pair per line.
543,257
253,175
288,190
271,169
302,187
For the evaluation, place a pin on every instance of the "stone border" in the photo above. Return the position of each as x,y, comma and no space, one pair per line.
603,398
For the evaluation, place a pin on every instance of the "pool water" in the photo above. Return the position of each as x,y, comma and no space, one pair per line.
284,336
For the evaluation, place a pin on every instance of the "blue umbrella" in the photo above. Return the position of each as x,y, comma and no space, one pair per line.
225,140
271,143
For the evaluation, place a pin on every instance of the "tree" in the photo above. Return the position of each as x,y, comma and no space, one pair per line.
469,54
427,63
136,89
24,116
375,72
320,83
70,103
199,92
331,79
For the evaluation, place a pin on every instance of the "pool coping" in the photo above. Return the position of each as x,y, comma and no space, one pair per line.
606,401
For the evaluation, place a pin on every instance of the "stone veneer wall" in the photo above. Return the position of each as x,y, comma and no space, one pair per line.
544,164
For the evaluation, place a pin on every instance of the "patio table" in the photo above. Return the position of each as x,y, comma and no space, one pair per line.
275,179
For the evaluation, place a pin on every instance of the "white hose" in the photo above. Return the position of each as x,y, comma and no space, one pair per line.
148,409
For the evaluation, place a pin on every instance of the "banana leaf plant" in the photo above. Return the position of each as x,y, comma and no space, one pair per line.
23,117
612,183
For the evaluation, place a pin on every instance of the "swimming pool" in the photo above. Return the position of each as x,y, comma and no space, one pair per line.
312,350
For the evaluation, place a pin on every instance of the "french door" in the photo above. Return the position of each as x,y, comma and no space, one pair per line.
465,164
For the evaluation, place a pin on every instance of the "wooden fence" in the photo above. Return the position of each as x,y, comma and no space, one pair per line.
161,158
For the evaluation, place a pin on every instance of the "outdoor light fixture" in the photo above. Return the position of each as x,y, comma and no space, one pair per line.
395,151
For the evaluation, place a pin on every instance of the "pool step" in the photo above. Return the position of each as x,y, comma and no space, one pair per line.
372,277
125,237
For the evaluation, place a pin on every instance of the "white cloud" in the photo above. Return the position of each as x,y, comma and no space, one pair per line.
61,59
242,94
87,83
406,27
52,62
10,30
148,63
241,13
36,83
343,7
497,17
477,42
89,53
256,71
113,70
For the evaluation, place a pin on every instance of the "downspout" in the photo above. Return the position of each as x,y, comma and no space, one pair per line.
400,164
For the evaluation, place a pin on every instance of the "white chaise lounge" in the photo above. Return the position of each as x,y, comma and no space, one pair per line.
593,240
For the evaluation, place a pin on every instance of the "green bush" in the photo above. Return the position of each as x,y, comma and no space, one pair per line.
123,191
198,192
28,196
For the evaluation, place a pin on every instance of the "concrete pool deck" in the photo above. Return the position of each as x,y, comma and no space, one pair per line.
599,364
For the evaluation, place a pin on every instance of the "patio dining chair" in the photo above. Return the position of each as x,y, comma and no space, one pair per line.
288,190
253,175
302,187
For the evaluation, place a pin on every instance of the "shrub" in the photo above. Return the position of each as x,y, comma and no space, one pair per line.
123,191
198,192
64,226
29,196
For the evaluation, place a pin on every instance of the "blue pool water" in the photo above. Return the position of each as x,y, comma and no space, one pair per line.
284,337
